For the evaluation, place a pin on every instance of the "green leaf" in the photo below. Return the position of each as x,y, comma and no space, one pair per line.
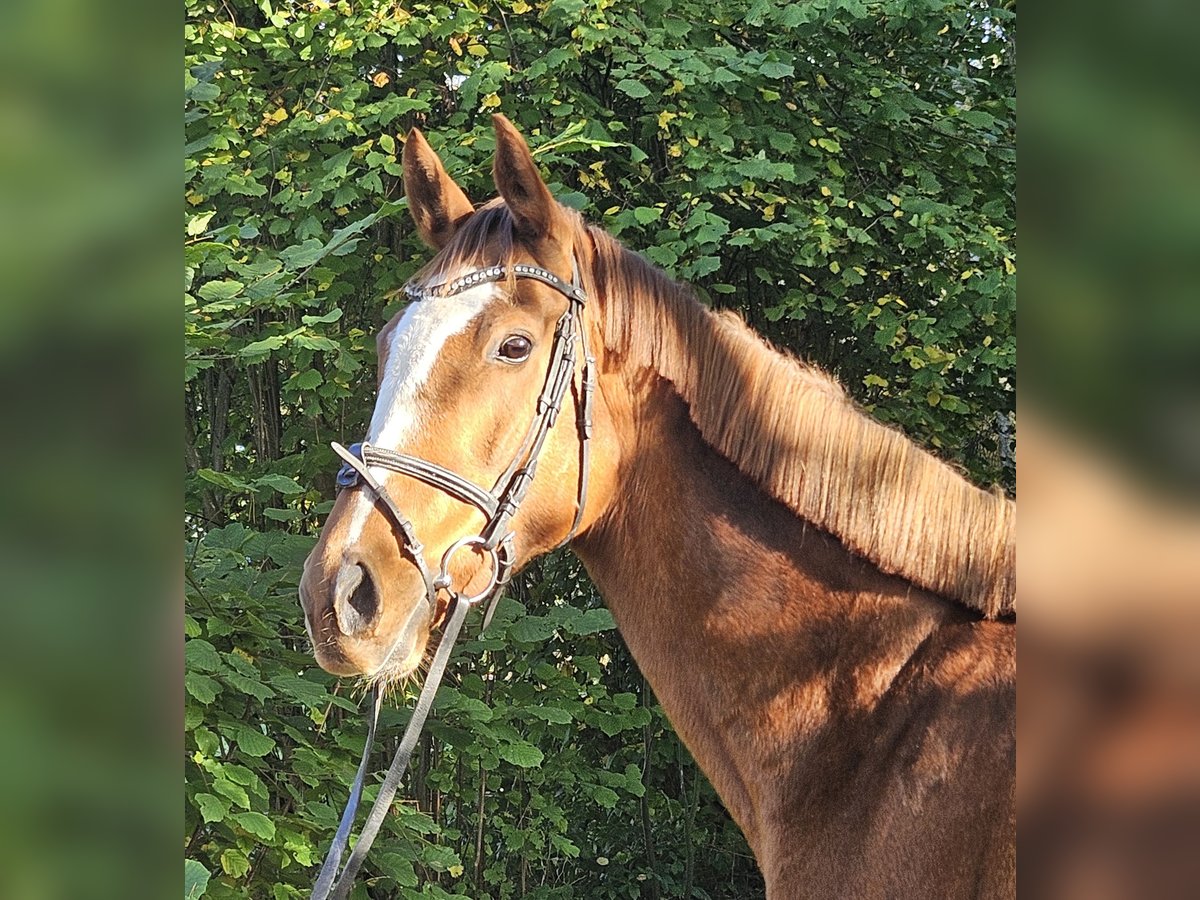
472,707
634,89
212,808
301,256
532,629
633,780
195,879
248,685
777,70
329,317
522,754
233,791
200,655
552,714
212,291
439,858
198,224
398,867
458,738
315,342
255,823
573,199
191,628
253,742
712,232
280,483
978,118
235,863
594,621
994,209
606,797
647,214
301,690
203,92
239,775
564,845
664,256
256,349
224,480
307,380
203,688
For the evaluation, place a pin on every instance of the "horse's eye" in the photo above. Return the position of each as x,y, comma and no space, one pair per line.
515,348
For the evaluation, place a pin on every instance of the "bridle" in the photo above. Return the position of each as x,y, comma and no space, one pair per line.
499,505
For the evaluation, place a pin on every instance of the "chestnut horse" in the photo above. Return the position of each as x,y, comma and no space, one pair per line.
825,611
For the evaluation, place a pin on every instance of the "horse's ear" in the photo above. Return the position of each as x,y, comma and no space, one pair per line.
533,207
437,204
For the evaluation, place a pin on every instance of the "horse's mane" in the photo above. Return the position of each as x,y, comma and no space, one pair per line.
789,426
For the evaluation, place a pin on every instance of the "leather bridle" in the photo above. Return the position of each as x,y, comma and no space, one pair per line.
499,505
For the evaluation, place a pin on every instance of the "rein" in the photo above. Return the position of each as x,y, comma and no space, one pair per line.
499,505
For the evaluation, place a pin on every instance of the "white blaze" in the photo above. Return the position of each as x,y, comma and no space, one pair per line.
413,348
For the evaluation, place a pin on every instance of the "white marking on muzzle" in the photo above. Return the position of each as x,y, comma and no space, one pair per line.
415,345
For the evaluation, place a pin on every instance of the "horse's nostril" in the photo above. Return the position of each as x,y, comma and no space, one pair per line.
364,598
356,601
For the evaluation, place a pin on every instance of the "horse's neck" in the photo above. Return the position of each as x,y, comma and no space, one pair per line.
761,636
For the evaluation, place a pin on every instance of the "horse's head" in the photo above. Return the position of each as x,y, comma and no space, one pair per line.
461,370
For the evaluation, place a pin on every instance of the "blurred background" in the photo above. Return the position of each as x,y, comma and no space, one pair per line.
1109,452
91,656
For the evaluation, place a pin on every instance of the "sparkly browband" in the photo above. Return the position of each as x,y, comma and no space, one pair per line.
458,285
493,274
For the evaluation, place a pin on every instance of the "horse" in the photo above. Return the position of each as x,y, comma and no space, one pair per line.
825,611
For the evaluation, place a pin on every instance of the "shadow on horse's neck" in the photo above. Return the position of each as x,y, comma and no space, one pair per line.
763,637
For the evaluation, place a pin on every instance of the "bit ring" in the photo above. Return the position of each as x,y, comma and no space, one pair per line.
443,579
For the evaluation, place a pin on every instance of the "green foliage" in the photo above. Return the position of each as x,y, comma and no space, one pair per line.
840,171
544,714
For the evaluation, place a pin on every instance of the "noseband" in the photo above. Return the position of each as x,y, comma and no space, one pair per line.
496,539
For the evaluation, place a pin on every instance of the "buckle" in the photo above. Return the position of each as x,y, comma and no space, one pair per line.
346,475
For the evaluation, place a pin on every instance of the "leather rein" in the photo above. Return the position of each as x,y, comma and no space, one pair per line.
499,505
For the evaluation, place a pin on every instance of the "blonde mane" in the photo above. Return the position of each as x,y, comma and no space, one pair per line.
791,428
